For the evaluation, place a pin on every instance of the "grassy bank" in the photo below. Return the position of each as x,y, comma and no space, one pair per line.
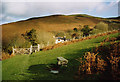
33,67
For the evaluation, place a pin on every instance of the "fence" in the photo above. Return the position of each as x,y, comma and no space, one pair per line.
28,50
21,50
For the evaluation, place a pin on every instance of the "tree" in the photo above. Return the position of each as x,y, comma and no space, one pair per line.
75,29
86,30
75,35
31,36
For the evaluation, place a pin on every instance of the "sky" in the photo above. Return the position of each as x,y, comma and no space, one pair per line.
16,10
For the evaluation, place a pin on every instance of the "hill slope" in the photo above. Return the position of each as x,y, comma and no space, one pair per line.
48,23
33,67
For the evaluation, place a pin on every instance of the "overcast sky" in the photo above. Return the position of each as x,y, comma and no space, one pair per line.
16,10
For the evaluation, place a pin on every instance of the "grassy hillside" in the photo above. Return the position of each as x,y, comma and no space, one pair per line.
53,24
48,23
117,18
33,67
0,70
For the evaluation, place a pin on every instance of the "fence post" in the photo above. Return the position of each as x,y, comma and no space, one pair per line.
13,50
30,49
38,47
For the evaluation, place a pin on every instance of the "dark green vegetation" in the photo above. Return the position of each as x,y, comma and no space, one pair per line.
31,36
86,30
34,66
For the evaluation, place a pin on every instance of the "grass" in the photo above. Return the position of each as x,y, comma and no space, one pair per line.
0,70
33,67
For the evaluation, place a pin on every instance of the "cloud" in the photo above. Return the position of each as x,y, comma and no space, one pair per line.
36,9
15,8
6,19
114,3
13,11
101,7
9,18
59,0
2,16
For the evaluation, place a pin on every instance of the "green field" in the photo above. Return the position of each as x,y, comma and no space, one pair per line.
33,67
0,70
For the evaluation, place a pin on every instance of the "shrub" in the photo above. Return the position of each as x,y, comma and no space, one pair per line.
6,56
68,36
86,30
69,31
31,36
114,26
44,37
17,41
74,35
90,64
75,29
102,26
96,31
60,34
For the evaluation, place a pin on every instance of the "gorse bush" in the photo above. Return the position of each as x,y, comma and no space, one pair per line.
106,64
6,56
91,63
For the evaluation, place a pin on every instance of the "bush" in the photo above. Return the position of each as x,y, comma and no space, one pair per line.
86,30
75,35
17,41
44,37
114,26
60,34
68,36
96,31
102,26
31,36
75,29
